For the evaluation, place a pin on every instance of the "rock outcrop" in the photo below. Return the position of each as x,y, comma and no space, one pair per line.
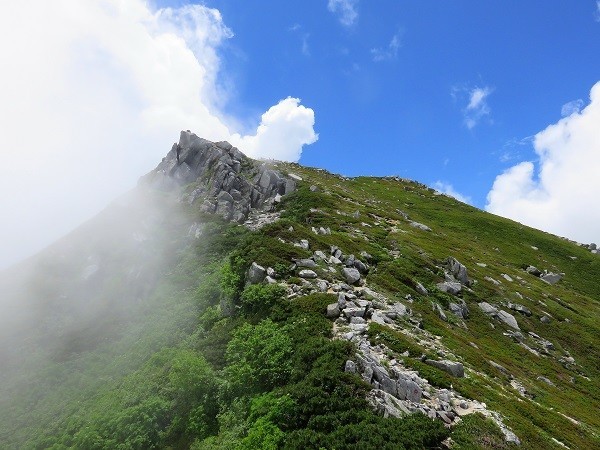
224,180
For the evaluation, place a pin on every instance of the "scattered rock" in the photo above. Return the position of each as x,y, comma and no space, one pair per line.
437,308
450,287
551,278
545,319
256,274
460,309
533,271
307,273
458,270
309,263
351,275
453,368
421,289
304,244
508,319
350,367
520,308
418,225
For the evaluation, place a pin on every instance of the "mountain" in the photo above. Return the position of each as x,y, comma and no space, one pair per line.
232,303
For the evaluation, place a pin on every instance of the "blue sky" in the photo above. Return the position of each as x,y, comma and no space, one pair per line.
405,112
496,102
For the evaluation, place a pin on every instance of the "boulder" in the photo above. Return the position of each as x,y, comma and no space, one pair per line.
508,319
520,308
487,308
545,319
361,266
351,275
307,273
460,309
350,366
333,310
419,226
551,278
437,308
256,274
453,368
421,289
308,263
533,271
450,287
458,270
353,312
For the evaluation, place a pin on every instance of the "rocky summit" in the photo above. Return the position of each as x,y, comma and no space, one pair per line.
228,303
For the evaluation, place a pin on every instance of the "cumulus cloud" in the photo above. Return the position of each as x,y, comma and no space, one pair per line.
571,107
448,189
282,132
387,53
476,103
93,95
558,191
345,11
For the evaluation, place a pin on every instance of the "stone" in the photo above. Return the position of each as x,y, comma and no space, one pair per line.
307,273
458,270
545,380
545,319
508,319
322,285
533,271
304,244
333,310
499,367
459,309
361,266
450,287
413,392
520,308
350,367
507,277
551,278
349,261
419,226
357,320
421,289
353,312
319,254
309,263
270,280
487,308
437,308
453,368
399,309
256,274
351,275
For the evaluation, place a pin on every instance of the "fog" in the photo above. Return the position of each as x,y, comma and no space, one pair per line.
93,95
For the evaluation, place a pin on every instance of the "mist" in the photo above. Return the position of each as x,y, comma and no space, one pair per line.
94,95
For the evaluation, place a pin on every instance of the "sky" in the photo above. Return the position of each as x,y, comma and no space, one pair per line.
496,103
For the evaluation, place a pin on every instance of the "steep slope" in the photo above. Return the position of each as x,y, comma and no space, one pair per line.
253,305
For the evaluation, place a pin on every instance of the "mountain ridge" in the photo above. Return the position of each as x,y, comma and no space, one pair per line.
401,290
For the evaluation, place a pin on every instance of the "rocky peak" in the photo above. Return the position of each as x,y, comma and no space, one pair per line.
219,177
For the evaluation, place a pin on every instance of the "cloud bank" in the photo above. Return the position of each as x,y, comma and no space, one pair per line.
93,95
558,192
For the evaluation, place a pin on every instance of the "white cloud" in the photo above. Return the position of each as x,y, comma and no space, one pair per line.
345,10
387,53
571,107
448,189
476,103
558,192
597,12
282,132
93,95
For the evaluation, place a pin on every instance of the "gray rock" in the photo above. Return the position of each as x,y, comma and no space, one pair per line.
487,308
353,312
520,308
450,287
440,312
361,266
351,275
533,271
421,289
307,273
545,319
413,392
349,261
420,226
357,320
256,274
460,309
551,278
458,270
592,246
304,244
508,319
319,254
545,380
399,309
350,366
309,263
333,311
499,367
322,285
453,368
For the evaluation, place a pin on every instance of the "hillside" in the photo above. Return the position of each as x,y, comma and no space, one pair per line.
228,303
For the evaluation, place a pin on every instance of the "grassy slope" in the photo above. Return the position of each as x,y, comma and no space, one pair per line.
474,236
